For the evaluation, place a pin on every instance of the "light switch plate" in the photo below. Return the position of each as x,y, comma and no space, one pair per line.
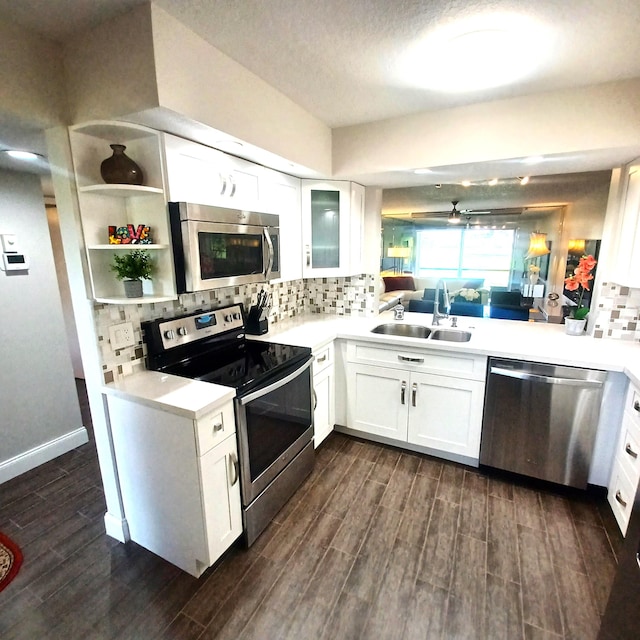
121,335
9,243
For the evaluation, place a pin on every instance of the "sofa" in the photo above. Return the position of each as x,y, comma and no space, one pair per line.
405,287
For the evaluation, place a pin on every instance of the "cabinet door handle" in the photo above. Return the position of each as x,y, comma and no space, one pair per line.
408,359
322,359
224,184
620,499
636,405
233,460
414,393
308,256
233,186
315,399
403,391
630,451
218,426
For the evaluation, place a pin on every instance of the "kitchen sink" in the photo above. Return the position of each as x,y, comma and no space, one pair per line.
404,330
451,335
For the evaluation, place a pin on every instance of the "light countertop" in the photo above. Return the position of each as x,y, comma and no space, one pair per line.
533,341
181,396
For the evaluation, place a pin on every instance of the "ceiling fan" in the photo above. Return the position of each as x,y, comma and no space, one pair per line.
455,215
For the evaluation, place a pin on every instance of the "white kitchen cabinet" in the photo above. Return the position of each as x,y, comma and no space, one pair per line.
332,228
103,205
446,414
203,175
430,400
626,467
179,481
627,253
377,400
324,413
280,194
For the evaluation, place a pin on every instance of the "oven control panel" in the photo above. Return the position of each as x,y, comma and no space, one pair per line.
195,327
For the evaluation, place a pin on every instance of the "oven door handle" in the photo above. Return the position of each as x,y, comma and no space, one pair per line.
258,393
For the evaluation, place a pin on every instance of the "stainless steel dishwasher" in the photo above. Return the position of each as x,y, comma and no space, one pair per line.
540,420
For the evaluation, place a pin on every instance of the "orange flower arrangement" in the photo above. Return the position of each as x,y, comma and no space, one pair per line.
580,280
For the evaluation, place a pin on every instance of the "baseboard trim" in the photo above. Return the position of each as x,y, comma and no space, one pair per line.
401,444
44,453
116,528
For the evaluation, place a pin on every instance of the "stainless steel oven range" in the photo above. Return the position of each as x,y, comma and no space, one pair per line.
273,404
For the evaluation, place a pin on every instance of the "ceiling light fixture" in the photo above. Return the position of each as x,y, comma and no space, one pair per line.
493,182
533,160
466,183
524,180
481,52
421,171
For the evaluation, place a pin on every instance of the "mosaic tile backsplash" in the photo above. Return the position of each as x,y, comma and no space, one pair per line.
353,296
617,313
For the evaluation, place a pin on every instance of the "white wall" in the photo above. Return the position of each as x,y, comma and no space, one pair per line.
31,77
65,292
160,73
598,117
40,414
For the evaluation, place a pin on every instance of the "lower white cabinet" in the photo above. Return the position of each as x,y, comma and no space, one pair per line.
626,466
416,403
324,414
179,480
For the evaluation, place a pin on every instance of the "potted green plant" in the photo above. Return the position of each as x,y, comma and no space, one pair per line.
132,267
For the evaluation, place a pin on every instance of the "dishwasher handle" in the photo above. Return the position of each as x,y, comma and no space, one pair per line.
534,377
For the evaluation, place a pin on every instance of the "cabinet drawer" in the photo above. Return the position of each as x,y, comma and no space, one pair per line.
628,451
214,428
621,495
323,358
632,406
468,366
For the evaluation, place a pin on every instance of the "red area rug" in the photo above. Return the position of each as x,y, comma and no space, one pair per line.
10,560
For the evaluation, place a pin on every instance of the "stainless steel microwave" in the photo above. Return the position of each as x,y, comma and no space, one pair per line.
217,247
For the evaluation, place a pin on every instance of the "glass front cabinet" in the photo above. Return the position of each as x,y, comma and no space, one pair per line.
332,224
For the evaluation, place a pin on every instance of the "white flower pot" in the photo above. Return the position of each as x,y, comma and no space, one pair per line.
573,327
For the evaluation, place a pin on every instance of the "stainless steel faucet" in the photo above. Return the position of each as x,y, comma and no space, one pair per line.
437,315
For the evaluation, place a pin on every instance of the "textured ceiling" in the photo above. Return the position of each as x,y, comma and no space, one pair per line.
343,61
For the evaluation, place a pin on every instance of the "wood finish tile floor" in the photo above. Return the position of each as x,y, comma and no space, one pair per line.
377,544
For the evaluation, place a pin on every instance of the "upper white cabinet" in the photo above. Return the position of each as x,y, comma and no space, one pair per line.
332,226
104,205
202,175
627,255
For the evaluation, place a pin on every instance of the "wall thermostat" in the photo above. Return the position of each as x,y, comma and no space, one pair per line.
12,259
14,262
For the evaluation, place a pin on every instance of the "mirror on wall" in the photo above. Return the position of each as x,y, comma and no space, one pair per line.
494,228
